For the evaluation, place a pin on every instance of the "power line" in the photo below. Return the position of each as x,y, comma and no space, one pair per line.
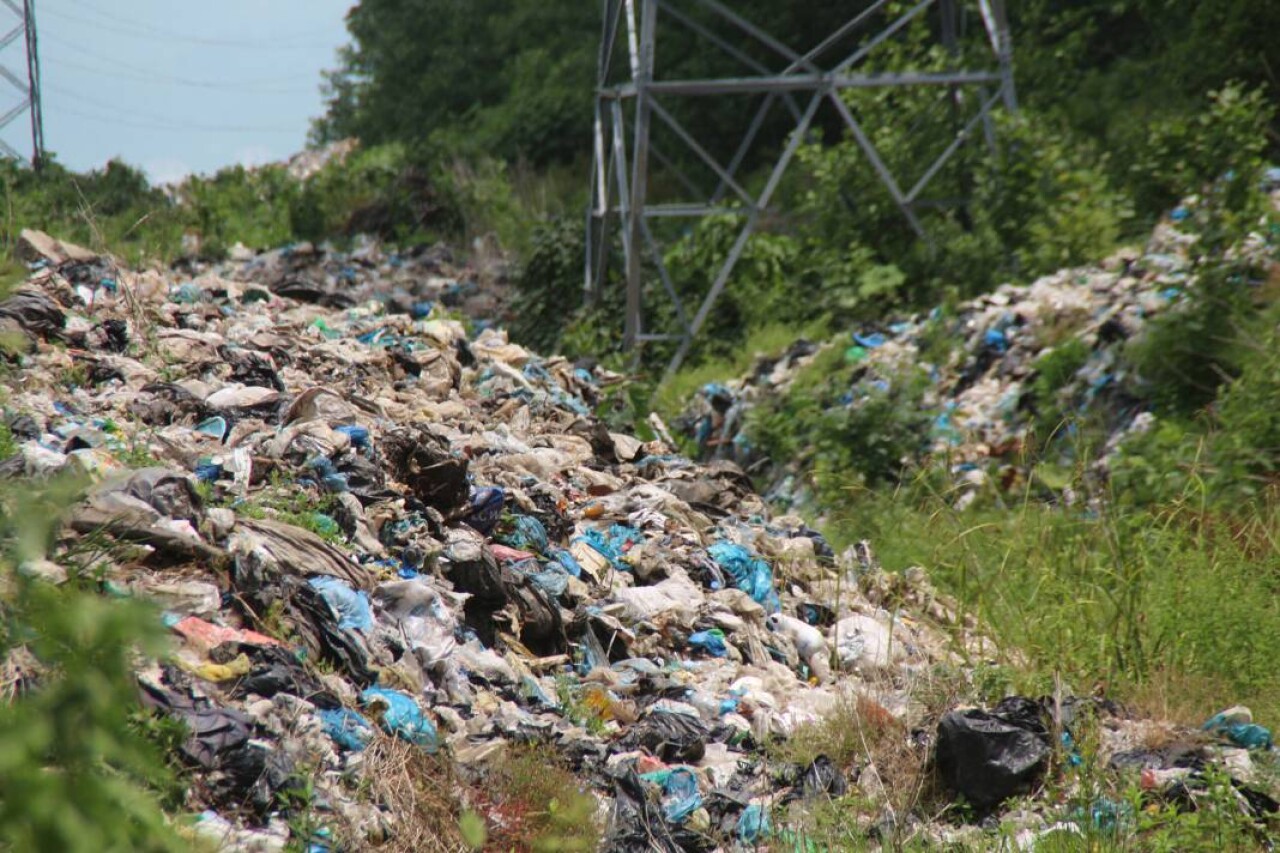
142,71
246,86
159,122
160,35
111,16
145,126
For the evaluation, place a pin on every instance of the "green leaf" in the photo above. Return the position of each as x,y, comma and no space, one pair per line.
471,827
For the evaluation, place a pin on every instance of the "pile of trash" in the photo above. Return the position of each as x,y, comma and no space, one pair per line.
978,365
363,518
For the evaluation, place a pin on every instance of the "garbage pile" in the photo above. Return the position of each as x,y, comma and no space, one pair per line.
976,367
361,520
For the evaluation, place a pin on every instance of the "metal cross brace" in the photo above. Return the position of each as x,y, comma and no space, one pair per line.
802,80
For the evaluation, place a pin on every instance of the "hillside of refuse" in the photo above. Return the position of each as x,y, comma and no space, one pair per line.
417,596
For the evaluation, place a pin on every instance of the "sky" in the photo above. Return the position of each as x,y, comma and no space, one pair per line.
175,86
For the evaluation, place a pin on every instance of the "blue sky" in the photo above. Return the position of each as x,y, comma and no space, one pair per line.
177,86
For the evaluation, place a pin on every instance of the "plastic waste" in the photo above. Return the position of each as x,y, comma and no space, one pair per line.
681,796
485,508
822,777
753,824
401,716
1236,725
348,729
749,573
991,756
712,642
673,737
359,435
637,825
527,533
329,476
352,606
614,543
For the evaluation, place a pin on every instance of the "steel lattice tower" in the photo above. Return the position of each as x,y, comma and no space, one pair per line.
26,80
631,93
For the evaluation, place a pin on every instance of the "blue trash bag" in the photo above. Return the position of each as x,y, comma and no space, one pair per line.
527,534
403,717
712,642
346,728
566,560
749,573
215,427
486,509
359,435
330,477
753,824
612,543
351,605
1245,735
871,341
208,472
680,794
551,578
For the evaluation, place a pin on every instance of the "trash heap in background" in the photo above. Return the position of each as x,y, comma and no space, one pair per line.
363,521
975,369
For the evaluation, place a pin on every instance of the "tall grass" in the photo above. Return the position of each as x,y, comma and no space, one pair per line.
1175,607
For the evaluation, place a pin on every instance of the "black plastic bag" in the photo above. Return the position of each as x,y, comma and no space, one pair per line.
637,824
672,737
989,757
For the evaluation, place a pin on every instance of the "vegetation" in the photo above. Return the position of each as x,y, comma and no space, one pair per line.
77,772
1158,587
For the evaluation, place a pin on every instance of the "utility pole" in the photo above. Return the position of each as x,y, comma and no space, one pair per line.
633,94
26,84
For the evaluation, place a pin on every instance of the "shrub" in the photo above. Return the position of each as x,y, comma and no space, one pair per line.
75,773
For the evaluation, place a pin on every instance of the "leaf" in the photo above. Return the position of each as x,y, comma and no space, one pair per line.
471,827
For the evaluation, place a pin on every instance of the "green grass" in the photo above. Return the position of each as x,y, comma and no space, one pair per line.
1176,607
674,392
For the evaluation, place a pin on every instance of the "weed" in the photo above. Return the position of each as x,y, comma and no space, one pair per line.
1176,601
137,453
533,802
75,376
8,446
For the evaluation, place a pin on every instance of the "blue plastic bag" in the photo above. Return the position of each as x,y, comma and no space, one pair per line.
613,543
403,717
753,823
330,477
359,435
681,796
351,605
486,509
712,642
346,728
749,573
566,560
1245,735
527,534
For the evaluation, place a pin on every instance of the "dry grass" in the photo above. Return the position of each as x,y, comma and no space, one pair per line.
893,770
533,803
421,793
1183,698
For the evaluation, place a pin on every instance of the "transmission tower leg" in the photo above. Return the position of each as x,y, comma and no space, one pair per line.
633,326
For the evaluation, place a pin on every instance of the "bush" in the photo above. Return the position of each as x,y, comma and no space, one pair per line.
549,285
846,427
75,773
763,283
1182,152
